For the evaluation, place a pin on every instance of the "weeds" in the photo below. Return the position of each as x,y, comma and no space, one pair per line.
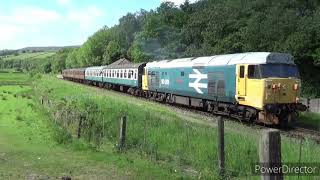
19,118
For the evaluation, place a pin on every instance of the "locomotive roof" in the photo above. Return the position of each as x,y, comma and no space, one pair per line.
227,59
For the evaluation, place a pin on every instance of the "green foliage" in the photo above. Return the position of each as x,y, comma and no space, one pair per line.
137,54
112,51
47,67
59,59
27,61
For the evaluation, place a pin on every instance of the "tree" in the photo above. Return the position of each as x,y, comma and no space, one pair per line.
47,68
59,59
112,52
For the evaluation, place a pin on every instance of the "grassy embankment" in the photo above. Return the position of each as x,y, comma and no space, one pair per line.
177,141
30,147
310,119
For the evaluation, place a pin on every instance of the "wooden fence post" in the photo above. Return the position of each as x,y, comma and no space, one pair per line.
308,104
80,126
221,145
122,136
270,153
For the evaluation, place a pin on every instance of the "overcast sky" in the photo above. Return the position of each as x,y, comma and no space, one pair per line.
61,22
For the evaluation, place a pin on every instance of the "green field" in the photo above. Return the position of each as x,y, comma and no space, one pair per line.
162,142
28,56
9,77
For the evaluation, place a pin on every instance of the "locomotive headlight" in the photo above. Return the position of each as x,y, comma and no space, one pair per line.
274,86
295,86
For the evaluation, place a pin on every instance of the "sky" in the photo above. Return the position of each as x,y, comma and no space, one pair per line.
25,23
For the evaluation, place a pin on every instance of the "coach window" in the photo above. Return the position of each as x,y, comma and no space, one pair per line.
125,73
241,71
182,73
135,75
129,74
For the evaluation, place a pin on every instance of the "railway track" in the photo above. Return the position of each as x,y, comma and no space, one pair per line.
296,132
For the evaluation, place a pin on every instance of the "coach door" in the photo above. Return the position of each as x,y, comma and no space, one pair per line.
241,81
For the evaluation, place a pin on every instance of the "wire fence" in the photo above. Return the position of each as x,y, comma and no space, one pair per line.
312,104
178,144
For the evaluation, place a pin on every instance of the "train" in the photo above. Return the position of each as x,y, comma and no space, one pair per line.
258,87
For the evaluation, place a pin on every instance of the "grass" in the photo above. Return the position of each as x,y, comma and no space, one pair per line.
162,142
13,78
29,147
182,142
310,119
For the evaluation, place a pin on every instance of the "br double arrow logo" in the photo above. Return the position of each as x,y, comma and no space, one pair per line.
196,84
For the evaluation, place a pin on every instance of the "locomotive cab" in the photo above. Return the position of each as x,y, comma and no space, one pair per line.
272,88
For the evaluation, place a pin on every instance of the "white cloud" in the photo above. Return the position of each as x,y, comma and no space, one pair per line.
24,21
64,2
85,17
9,32
178,2
29,15
32,25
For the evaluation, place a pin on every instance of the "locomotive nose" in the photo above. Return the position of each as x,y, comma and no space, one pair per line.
281,90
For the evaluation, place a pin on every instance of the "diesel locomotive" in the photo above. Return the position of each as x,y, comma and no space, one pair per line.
259,87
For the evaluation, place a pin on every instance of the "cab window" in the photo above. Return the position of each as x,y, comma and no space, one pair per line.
254,72
279,70
241,71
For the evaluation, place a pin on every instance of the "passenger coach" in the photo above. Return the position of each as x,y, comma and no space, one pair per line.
126,77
